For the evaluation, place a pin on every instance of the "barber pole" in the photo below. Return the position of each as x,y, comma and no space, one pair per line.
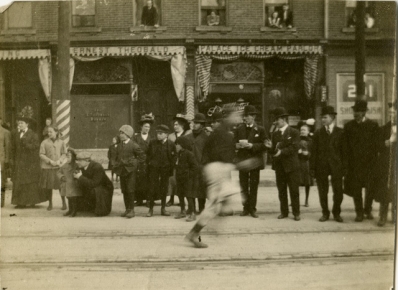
62,119
190,102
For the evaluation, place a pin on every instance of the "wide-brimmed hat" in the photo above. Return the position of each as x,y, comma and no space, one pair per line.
328,110
250,110
162,128
180,117
217,116
199,118
280,112
147,118
83,156
128,130
360,106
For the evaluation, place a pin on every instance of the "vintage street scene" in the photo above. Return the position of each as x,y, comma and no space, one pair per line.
198,144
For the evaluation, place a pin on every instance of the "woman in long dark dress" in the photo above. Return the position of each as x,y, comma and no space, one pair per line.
142,139
26,166
304,154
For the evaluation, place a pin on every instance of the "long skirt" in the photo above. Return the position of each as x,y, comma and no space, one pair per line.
27,194
49,179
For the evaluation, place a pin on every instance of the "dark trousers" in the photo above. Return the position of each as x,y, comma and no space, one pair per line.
181,193
283,181
361,207
322,181
159,180
249,187
127,184
191,205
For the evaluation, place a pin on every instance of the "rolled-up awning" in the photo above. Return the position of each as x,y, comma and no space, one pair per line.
24,54
127,50
260,49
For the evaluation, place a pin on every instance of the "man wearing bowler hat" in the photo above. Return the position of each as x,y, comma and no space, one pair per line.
361,136
284,147
249,139
161,158
328,158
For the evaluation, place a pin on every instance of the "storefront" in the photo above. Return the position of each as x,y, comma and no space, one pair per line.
263,76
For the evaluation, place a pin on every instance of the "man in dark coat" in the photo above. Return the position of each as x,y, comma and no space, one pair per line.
384,185
161,159
128,156
197,139
287,16
96,187
285,162
249,139
149,15
328,158
361,136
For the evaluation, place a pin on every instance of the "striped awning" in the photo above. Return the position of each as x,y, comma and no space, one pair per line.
24,54
126,50
260,49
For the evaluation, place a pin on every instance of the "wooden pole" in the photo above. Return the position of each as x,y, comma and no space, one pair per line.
360,50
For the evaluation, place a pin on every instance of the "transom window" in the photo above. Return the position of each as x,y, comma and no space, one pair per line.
83,13
213,12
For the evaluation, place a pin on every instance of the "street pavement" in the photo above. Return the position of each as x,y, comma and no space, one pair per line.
40,248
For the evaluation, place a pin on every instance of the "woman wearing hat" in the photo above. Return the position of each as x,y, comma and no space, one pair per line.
142,139
52,155
26,162
181,128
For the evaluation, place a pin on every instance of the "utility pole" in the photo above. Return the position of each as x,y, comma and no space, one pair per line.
360,50
60,88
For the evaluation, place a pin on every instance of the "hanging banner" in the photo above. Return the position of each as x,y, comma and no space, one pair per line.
24,54
346,94
126,50
260,49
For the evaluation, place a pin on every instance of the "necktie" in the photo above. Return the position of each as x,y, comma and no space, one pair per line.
328,130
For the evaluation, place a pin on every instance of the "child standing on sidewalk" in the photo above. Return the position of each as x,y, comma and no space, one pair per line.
112,156
69,186
304,154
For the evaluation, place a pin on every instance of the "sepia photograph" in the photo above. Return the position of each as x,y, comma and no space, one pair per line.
198,144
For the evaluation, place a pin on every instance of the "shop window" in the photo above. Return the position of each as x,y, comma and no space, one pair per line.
278,14
351,18
147,13
19,15
213,13
83,13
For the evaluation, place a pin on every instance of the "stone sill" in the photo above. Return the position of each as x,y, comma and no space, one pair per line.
278,30
18,32
138,29
349,30
222,29
86,30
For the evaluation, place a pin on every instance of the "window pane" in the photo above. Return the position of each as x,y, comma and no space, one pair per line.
156,15
220,3
20,15
83,7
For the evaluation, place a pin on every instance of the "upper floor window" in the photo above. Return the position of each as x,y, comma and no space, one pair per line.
351,17
19,15
213,12
278,14
148,12
83,13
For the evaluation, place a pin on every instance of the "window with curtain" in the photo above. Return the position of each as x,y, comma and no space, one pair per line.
351,18
19,15
213,12
278,14
83,13
147,12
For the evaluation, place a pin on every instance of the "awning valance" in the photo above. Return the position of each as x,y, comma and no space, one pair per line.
259,49
126,50
24,54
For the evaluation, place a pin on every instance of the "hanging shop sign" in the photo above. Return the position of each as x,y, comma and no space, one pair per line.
260,49
346,94
24,54
126,50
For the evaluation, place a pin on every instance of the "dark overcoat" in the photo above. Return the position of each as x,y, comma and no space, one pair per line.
384,184
288,144
142,185
362,143
256,137
220,146
112,155
153,156
187,169
128,156
97,189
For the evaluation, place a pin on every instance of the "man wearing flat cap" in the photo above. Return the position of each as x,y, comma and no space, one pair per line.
161,158
249,139
361,136
128,157
96,186
284,148
328,158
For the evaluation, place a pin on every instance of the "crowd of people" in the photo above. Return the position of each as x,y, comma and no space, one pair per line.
194,163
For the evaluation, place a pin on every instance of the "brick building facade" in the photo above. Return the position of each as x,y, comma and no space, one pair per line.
242,59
